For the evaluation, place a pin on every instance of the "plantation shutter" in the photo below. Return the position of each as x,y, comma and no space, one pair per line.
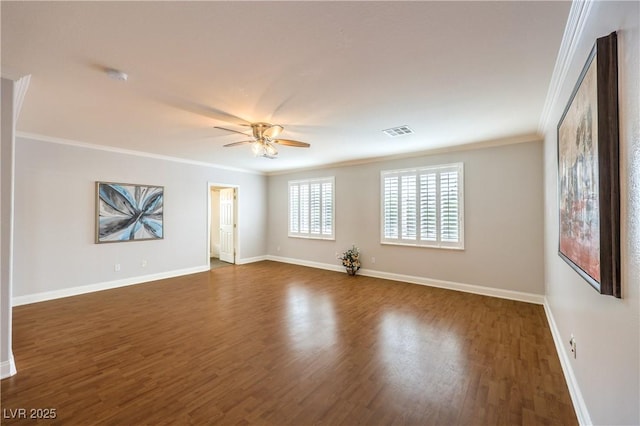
423,206
304,209
315,208
428,209
391,211
449,228
327,209
294,208
409,211
311,208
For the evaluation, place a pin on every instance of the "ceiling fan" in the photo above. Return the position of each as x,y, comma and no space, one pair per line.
265,137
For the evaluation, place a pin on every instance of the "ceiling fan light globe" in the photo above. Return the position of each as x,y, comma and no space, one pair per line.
270,150
257,148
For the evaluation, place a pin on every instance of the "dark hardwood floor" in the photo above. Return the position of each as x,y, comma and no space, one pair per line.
275,344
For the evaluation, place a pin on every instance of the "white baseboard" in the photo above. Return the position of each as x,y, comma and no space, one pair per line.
8,368
565,361
449,285
74,291
308,263
250,260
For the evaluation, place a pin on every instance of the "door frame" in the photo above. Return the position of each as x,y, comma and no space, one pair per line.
236,246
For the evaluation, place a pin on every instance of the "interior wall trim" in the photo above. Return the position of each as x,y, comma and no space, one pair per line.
250,260
491,143
537,299
565,361
578,15
90,288
78,144
7,368
21,87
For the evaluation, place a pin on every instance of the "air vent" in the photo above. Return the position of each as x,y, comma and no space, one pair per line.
394,132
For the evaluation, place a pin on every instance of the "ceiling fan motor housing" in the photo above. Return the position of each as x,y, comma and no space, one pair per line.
265,135
266,130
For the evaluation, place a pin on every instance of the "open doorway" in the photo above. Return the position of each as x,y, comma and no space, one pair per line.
222,225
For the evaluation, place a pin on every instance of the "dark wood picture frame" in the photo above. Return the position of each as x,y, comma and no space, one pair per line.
588,172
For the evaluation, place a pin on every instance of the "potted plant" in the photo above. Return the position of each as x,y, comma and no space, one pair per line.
351,260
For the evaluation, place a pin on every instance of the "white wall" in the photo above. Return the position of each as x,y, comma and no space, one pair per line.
55,216
607,330
503,220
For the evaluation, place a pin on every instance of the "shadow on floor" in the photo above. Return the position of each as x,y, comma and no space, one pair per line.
216,263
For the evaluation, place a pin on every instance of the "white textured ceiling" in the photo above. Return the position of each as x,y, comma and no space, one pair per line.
334,74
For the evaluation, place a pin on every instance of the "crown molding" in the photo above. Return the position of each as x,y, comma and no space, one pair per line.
78,144
21,86
491,143
578,15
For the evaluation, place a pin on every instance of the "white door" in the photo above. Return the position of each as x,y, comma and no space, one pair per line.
227,242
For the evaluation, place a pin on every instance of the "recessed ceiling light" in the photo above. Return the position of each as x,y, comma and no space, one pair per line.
117,75
398,131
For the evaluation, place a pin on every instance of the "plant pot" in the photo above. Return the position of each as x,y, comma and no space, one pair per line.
351,271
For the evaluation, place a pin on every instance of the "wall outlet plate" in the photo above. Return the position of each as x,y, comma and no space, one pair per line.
572,346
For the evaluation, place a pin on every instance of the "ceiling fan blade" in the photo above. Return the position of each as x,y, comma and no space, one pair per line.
204,110
289,142
238,143
273,131
230,130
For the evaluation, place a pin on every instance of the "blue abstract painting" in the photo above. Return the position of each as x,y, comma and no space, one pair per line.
129,212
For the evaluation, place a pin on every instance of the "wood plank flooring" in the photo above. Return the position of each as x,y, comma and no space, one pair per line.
277,344
215,263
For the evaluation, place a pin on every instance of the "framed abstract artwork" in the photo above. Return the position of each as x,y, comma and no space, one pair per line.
127,212
588,172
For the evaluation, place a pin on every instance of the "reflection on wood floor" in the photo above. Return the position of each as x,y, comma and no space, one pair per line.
274,344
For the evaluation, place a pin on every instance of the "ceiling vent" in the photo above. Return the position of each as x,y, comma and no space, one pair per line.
394,132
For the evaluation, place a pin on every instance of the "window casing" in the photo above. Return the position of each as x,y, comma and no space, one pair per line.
312,208
423,206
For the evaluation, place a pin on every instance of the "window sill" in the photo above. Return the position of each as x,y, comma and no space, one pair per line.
388,243
310,237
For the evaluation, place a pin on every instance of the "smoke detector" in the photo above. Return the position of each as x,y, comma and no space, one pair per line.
117,74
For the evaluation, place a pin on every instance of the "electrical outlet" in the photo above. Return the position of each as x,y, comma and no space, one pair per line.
572,346
116,267
373,260
278,248
143,263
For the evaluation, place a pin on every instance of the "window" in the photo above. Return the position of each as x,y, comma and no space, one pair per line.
311,208
423,206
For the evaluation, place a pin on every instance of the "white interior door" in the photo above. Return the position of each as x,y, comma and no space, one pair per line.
227,225
214,233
